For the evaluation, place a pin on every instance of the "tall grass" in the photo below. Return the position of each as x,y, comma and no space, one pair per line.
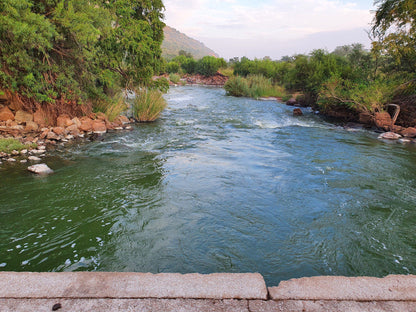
175,78
237,86
254,86
112,108
148,104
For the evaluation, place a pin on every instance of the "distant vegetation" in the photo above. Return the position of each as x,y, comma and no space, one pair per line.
184,63
176,41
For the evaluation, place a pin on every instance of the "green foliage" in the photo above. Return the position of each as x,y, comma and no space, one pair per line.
209,65
148,104
254,86
174,78
237,86
9,145
189,66
161,84
55,51
172,67
112,108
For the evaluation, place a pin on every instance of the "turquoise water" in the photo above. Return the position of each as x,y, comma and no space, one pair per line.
218,184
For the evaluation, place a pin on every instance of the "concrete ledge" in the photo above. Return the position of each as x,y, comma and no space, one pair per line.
131,285
390,288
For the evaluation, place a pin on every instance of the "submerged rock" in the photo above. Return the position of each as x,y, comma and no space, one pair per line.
389,136
34,158
297,112
40,169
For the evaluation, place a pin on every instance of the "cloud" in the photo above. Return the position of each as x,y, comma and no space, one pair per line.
264,20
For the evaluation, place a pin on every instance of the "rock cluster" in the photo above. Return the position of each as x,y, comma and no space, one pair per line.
30,130
217,80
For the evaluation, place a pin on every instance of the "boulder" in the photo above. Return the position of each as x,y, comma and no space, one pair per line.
383,120
86,124
22,116
64,121
99,127
52,136
34,158
58,130
44,134
76,122
40,118
291,102
389,136
121,120
409,132
40,169
365,118
297,112
6,114
73,129
31,126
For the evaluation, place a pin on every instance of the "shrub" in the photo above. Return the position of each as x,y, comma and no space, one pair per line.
174,78
148,104
236,86
209,65
172,67
9,145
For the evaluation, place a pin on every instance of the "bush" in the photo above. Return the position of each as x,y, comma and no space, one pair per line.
208,65
172,67
189,66
174,78
148,104
9,145
236,86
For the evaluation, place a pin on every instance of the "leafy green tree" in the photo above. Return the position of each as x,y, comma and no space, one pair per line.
62,51
209,65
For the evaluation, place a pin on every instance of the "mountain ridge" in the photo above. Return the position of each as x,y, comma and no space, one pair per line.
175,41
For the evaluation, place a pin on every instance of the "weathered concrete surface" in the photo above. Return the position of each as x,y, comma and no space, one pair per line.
390,288
124,305
100,291
335,306
131,285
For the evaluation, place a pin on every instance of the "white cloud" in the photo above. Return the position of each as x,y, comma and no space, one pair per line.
264,20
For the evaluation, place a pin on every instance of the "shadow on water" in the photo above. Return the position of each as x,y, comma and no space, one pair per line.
218,184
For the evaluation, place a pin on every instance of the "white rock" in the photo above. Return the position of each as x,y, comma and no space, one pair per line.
37,151
69,137
23,151
23,161
118,128
34,158
11,159
42,147
404,140
40,169
15,153
389,136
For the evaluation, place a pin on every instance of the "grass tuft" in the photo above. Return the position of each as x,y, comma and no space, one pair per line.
148,104
9,145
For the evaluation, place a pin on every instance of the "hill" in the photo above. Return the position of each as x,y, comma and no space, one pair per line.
175,41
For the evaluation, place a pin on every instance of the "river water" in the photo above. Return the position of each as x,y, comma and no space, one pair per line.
217,184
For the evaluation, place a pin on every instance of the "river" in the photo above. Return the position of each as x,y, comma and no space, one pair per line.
217,184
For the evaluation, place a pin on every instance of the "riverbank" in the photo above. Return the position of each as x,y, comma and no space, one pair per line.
99,291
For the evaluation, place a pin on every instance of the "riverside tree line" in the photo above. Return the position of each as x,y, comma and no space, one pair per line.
61,53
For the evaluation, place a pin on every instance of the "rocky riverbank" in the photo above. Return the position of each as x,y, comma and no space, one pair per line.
31,131
390,123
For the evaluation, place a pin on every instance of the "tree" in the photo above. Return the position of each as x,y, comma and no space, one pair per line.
394,25
67,51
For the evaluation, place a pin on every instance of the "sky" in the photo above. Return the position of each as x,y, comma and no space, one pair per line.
274,28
